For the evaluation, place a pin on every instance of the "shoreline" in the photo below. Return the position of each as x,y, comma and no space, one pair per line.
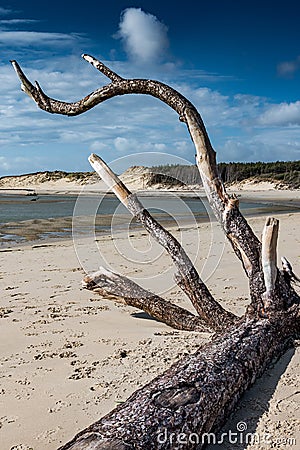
44,231
11,244
261,193
68,356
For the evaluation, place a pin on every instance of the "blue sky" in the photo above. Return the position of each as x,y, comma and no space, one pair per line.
238,62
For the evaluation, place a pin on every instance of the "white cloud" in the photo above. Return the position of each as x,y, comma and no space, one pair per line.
160,147
214,106
4,163
123,144
282,114
16,21
242,127
13,162
35,38
5,11
98,146
287,69
144,36
216,109
262,145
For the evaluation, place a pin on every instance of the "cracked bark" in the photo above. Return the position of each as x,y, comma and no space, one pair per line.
196,394
121,289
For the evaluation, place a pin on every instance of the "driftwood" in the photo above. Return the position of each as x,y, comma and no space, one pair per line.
194,396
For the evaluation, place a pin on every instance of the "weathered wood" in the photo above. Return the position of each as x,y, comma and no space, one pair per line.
111,180
113,76
119,288
269,254
125,86
244,242
196,394
187,276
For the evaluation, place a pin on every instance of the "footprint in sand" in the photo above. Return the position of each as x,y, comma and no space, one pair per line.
58,406
21,447
6,420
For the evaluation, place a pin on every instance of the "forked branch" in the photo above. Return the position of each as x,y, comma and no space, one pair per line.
195,395
244,242
119,86
187,277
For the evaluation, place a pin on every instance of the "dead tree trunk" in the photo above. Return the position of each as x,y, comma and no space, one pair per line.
193,397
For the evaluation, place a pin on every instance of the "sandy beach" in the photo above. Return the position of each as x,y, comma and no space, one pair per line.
69,356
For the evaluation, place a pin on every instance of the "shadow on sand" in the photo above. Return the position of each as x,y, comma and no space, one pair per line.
253,404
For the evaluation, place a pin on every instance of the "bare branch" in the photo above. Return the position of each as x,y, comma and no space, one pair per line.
196,394
102,68
206,161
269,253
112,285
35,92
269,261
187,278
119,86
226,209
110,179
244,242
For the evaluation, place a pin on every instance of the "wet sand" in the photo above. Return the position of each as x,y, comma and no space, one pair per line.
177,204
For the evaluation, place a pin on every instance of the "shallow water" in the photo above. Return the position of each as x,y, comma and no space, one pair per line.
29,218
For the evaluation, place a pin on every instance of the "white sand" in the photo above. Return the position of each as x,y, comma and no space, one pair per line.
68,356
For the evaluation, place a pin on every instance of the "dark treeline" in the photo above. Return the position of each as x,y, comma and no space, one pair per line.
279,170
284,173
